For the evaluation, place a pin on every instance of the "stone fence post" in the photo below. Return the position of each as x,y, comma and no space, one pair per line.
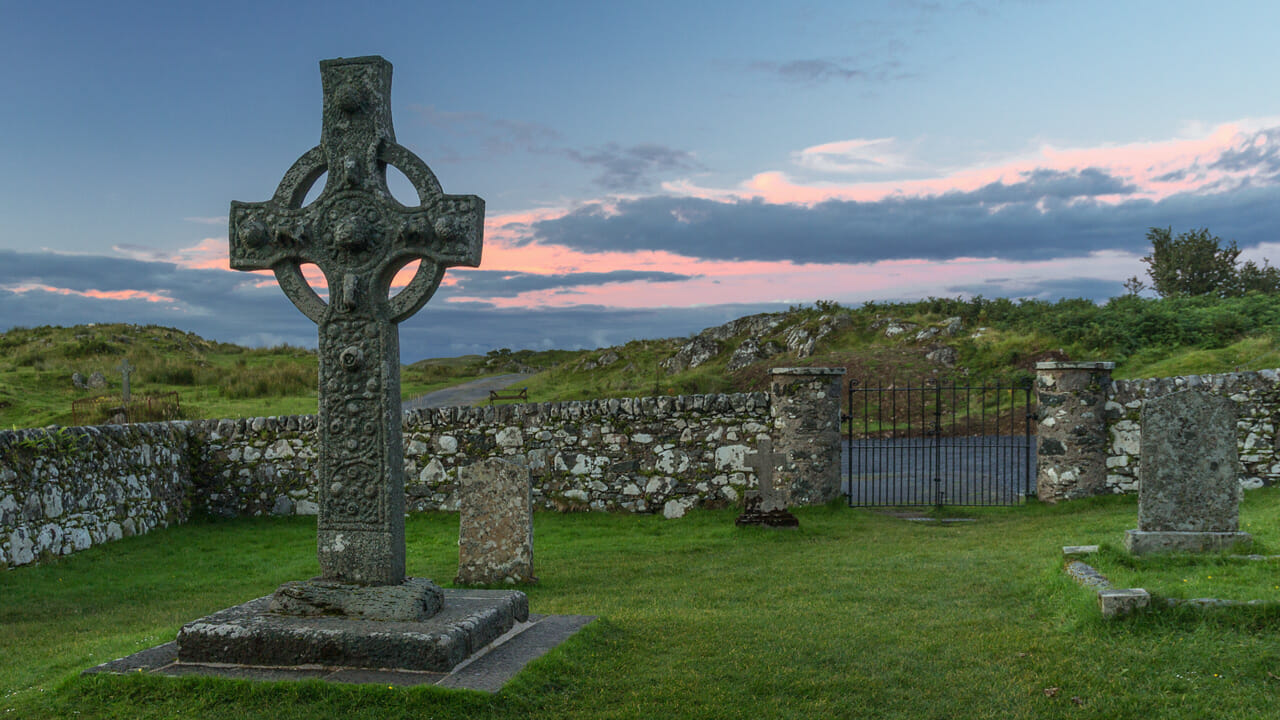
805,408
1071,461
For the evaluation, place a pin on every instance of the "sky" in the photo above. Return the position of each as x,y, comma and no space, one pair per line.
649,168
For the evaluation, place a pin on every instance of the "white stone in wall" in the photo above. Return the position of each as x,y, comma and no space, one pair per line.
114,532
630,489
21,548
597,486
78,539
1115,461
671,461
234,454
1048,422
576,494
306,507
1250,441
279,450
731,457
1126,437
51,496
447,444
673,509
415,447
642,438
49,539
433,473
729,493
655,485
8,506
509,438
1251,483
252,454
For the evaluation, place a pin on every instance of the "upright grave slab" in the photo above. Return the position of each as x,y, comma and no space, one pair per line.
767,506
495,523
362,610
1189,483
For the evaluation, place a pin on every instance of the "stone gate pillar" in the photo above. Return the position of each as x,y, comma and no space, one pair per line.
1071,461
805,407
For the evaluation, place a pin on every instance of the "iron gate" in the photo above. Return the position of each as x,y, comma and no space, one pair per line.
939,445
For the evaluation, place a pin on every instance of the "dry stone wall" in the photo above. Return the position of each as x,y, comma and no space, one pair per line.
1098,426
63,490
1257,398
653,454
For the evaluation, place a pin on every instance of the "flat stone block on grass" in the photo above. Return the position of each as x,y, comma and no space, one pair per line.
250,635
1115,602
1150,542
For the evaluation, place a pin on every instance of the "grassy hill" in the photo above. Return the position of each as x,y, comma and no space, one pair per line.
212,379
972,340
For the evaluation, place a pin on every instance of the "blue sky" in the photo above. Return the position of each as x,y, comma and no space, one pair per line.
649,169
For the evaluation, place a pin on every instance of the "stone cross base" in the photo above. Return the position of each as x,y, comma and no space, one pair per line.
1150,542
413,600
251,635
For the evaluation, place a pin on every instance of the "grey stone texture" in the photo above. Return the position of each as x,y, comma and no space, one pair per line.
64,490
495,515
359,236
767,506
488,672
250,634
1189,492
1072,398
413,600
1117,602
805,410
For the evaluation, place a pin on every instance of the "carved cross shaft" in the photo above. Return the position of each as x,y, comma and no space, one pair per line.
360,237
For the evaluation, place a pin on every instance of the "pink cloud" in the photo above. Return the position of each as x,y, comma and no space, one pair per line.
95,294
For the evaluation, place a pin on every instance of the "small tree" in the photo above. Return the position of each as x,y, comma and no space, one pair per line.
1195,263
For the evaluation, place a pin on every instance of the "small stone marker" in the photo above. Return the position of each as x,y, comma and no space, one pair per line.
768,505
125,369
1189,479
495,538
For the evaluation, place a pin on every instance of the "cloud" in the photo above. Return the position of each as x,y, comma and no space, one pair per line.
497,136
1044,214
499,283
632,168
857,156
816,70
1096,289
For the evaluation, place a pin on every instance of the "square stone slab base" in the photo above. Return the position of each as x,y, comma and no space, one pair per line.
250,635
1150,542
487,671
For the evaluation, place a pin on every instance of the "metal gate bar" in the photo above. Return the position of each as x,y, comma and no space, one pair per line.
939,445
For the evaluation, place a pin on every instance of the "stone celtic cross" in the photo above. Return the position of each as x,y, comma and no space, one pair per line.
360,237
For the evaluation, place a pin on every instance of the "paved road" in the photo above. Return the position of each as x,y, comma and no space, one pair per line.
464,394
992,470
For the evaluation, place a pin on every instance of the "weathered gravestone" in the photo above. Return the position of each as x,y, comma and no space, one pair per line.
766,506
362,610
495,523
1189,478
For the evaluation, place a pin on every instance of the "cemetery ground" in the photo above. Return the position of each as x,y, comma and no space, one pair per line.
855,614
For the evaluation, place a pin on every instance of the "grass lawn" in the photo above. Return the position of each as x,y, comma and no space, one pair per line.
856,614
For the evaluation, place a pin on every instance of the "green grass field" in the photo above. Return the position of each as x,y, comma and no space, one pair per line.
857,614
